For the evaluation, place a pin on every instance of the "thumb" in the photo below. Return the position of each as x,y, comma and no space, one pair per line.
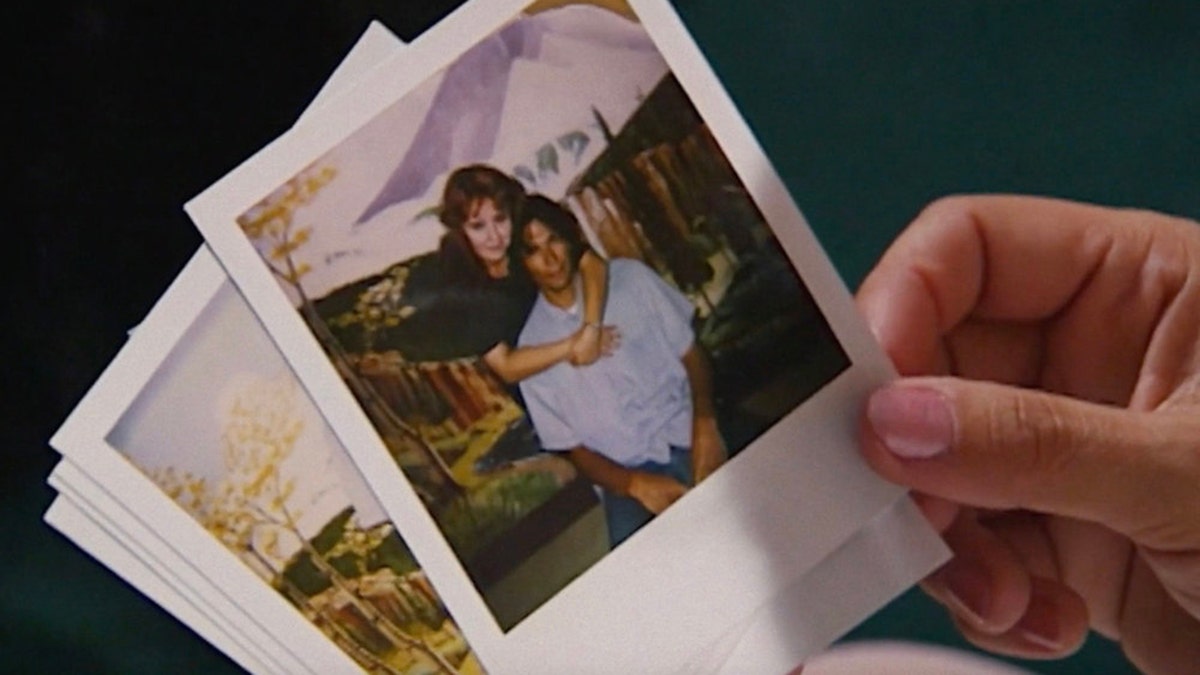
994,446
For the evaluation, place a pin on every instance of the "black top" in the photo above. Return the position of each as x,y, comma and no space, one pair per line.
460,311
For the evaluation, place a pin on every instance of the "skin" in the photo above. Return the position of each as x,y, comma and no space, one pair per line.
594,339
550,267
1048,419
653,491
708,448
488,230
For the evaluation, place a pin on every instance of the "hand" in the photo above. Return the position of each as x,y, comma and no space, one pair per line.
591,342
655,492
708,448
1054,437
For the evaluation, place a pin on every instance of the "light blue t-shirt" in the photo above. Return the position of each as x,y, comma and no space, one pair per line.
631,406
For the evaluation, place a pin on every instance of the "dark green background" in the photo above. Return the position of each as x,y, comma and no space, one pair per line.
869,110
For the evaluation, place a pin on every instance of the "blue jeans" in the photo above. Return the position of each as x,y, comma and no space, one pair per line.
625,515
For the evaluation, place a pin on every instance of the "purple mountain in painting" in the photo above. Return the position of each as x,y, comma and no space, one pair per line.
464,120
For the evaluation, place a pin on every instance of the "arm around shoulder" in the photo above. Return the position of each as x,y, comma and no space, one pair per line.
708,448
589,345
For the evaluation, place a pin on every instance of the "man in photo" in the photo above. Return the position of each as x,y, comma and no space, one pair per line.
641,423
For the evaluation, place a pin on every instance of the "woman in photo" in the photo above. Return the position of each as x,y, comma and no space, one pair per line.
472,273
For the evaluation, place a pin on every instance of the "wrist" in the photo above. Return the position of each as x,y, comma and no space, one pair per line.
633,484
565,348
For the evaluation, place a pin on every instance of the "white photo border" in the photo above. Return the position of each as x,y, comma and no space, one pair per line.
79,521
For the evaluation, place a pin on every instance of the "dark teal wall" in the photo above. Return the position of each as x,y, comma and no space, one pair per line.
870,109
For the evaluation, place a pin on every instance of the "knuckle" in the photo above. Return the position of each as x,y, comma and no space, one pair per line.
949,205
1036,438
950,210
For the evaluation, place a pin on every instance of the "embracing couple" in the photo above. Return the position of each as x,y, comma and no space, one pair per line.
604,353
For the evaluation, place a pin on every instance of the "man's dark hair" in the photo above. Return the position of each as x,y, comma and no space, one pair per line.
556,218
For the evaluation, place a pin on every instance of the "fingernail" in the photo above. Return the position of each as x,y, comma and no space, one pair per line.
965,588
1039,626
913,422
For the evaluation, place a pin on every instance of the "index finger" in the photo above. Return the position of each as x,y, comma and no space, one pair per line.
1005,257
991,257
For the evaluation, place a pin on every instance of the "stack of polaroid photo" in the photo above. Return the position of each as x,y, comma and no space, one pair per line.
514,355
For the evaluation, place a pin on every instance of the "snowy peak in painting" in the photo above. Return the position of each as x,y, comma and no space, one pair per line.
526,99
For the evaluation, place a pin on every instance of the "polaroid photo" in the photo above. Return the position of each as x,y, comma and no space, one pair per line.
383,247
